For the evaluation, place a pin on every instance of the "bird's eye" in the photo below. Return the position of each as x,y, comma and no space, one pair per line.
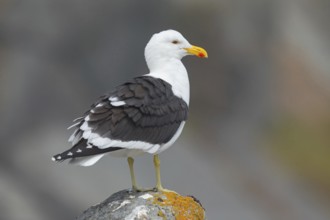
175,42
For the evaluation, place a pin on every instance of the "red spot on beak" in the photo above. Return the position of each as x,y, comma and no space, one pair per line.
201,55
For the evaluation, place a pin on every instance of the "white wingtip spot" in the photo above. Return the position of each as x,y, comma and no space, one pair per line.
89,146
118,103
53,159
115,101
59,158
70,154
79,151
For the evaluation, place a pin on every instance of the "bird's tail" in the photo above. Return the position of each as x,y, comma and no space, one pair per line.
82,149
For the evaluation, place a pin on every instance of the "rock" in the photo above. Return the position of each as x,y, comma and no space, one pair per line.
150,205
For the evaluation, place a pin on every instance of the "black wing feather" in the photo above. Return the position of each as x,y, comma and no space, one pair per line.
151,113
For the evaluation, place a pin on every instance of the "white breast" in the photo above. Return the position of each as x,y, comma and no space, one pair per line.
175,74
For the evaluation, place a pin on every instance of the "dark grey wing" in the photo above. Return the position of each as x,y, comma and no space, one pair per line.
144,109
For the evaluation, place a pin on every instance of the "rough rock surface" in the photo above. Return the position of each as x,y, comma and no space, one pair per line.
129,205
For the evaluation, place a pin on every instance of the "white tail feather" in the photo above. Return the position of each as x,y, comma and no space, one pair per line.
86,161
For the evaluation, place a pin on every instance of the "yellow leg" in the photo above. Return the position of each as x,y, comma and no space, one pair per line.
159,186
130,161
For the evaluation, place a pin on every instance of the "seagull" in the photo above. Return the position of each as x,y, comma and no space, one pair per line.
143,115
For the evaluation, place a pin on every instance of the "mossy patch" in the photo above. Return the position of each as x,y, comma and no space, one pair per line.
183,207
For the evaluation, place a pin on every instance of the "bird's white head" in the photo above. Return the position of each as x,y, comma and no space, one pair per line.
168,45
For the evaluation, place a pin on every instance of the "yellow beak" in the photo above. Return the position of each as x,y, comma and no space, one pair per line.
197,51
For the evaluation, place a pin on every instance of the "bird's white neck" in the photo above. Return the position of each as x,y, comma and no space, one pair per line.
172,71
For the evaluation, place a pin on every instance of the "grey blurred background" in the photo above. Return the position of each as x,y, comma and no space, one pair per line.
257,142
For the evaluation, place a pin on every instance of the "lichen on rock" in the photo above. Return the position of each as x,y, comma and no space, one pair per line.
150,205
